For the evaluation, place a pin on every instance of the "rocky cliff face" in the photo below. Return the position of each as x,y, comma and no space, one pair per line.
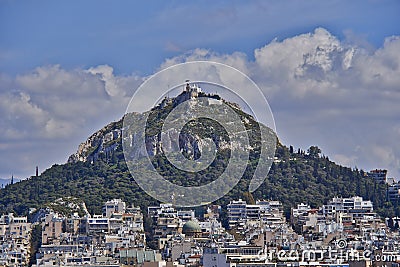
104,141
188,141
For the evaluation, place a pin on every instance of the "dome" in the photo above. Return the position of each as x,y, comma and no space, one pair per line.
191,227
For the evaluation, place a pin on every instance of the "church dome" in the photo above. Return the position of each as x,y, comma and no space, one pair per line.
191,227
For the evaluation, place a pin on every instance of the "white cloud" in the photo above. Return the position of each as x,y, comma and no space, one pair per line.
236,59
57,108
17,109
345,160
382,68
107,76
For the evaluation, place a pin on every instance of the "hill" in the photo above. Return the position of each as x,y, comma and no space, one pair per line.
98,172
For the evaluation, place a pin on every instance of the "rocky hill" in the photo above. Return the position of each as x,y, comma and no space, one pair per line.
98,172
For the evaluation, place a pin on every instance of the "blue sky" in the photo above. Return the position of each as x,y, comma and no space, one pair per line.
137,36
69,67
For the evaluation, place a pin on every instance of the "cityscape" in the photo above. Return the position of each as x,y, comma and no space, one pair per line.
344,232
200,133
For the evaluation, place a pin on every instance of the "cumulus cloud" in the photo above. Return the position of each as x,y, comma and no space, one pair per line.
57,108
382,67
236,59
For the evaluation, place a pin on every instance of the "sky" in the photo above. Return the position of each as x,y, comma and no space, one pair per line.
330,70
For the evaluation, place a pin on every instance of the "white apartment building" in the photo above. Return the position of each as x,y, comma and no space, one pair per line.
267,212
113,206
301,209
347,205
15,233
394,191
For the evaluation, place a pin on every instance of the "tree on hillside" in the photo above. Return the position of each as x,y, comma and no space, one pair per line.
314,151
